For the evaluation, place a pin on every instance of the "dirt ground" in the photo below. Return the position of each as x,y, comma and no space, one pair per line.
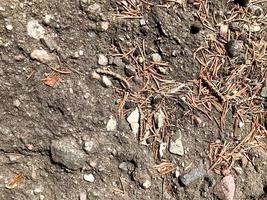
55,139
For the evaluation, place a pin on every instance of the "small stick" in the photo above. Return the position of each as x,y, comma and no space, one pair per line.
116,76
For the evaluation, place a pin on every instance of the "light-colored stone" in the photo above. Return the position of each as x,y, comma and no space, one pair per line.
225,189
106,81
133,120
95,75
83,196
176,146
142,22
16,103
89,146
123,166
112,124
35,30
104,26
102,60
43,56
147,184
89,178
9,27
156,57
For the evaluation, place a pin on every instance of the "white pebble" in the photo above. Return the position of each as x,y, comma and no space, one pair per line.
102,60
9,27
16,103
156,57
89,177
146,184
106,81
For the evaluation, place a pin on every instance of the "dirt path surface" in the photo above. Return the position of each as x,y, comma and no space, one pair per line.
133,99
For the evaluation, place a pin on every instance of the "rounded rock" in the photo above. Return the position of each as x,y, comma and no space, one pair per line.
156,57
102,60
233,48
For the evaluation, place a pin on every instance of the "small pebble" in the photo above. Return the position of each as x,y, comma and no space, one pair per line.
19,57
104,26
142,22
95,76
88,146
110,60
42,56
123,166
106,81
102,60
35,30
129,70
89,178
193,175
133,120
118,62
162,70
16,103
9,27
225,189
156,57
49,43
83,196
233,48
86,95
47,19
176,147
147,184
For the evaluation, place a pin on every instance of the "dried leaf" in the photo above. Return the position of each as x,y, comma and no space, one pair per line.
51,80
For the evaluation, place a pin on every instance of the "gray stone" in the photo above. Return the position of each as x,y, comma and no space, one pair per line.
118,62
66,152
106,81
35,30
49,43
102,60
129,70
193,175
233,47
